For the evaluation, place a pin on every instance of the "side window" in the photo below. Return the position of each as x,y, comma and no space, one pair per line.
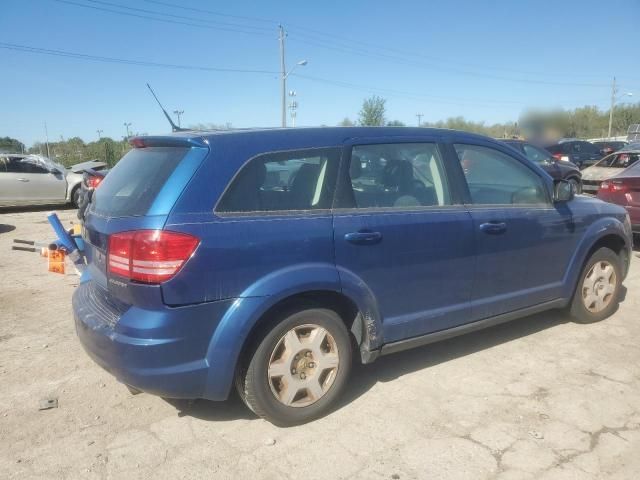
284,181
535,154
495,178
23,165
397,175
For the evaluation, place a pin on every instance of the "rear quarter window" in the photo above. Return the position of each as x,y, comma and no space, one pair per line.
133,184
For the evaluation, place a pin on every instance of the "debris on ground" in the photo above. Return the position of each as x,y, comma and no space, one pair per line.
48,403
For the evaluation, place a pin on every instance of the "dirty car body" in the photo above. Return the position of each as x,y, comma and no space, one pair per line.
398,231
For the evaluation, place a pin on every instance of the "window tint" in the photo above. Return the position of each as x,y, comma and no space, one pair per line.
495,178
296,180
536,154
397,175
133,184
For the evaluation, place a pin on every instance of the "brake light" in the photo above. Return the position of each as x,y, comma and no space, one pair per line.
613,186
560,157
149,256
93,182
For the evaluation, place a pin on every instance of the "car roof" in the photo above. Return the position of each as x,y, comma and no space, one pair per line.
337,134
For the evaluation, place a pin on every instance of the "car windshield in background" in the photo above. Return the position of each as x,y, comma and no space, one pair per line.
133,184
620,160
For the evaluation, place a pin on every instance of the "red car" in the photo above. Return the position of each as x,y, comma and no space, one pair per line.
624,189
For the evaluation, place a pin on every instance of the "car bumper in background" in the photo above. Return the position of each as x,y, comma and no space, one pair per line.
162,351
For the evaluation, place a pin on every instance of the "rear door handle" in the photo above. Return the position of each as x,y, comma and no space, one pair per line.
23,179
363,238
493,228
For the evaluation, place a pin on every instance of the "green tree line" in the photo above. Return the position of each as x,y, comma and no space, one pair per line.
583,122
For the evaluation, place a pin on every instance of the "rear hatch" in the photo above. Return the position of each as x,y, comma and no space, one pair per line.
128,212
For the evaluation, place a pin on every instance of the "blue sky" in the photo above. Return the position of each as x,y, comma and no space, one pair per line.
483,60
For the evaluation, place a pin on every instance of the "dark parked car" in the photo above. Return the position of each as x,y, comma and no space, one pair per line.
559,170
269,259
607,148
580,152
624,189
91,179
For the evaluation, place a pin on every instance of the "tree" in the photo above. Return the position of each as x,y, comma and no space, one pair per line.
396,123
373,112
11,145
346,122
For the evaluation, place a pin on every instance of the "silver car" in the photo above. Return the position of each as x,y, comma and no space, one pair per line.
608,167
37,180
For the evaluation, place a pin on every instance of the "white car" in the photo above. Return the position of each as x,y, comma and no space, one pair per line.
37,180
608,167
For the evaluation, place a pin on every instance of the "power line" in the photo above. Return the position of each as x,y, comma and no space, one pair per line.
165,20
310,40
310,33
142,63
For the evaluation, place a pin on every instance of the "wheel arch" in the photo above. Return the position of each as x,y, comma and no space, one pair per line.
314,285
608,233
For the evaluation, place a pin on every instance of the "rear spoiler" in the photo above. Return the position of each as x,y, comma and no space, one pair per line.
168,141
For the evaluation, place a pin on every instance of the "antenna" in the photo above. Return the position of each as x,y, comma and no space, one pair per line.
174,127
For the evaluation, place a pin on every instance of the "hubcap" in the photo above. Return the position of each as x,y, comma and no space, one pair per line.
599,286
303,365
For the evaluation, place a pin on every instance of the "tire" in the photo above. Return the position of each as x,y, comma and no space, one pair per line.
75,197
597,293
289,382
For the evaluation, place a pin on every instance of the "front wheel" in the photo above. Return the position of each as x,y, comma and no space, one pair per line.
598,292
298,368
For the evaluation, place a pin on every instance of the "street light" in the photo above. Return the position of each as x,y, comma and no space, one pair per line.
127,125
178,113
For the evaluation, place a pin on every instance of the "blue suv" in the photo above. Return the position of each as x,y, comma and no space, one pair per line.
270,259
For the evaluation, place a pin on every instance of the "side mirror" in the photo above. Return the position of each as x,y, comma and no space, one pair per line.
563,191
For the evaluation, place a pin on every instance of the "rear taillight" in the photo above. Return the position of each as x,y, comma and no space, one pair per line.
149,256
613,186
93,182
561,157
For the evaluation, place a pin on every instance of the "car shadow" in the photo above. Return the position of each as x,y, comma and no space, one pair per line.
36,208
4,228
389,368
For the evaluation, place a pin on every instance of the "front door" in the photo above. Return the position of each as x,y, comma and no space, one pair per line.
399,229
524,242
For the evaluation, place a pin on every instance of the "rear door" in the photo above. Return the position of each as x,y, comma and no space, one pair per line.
400,228
523,241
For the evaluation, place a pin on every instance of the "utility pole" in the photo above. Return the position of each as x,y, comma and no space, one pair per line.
99,132
46,133
419,115
613,102
178,113
283,79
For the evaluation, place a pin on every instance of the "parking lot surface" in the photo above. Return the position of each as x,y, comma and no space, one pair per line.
539,398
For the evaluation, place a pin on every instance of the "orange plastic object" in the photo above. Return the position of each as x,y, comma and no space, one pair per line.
56,261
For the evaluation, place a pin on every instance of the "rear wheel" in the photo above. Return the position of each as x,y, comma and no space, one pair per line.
598,292
298,368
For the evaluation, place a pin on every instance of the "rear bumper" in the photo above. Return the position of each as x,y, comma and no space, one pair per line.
163,351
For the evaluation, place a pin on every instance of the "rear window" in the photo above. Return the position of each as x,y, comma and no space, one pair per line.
133,184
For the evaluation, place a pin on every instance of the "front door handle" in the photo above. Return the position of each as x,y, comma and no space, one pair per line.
363,238
23,179
493,228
